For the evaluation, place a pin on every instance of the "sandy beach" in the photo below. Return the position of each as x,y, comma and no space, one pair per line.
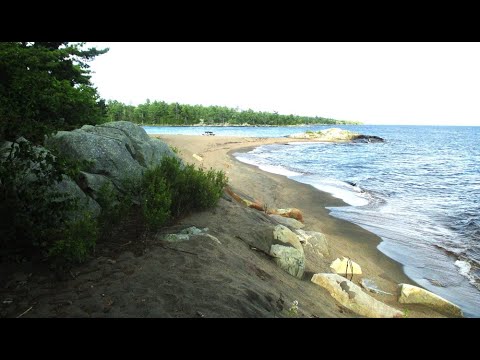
136,275
345,238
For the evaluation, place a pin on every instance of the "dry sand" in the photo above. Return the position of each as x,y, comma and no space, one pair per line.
136,275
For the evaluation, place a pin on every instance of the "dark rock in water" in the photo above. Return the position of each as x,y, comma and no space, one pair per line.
435,282
367,139
337,135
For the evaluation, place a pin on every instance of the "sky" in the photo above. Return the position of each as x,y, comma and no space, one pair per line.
375,83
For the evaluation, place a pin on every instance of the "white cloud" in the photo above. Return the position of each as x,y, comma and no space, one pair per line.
377,83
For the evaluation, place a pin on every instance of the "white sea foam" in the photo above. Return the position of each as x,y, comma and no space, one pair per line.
278,170
463,268
351,197
246,159
407,195
275,169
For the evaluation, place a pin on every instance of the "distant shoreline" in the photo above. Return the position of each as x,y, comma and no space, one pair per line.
243,125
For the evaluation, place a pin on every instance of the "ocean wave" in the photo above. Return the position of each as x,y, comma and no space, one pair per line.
413,194
275,169
465,269
352,195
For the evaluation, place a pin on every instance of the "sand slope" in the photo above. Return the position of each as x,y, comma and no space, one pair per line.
137,275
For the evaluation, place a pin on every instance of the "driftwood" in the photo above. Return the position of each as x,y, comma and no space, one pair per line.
257,205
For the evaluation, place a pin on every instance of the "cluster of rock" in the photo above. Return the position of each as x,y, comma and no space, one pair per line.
336,134
354,298
288,246
118,153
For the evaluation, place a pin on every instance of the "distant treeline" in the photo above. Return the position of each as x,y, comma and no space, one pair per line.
161,113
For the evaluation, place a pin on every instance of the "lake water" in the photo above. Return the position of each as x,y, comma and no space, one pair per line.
419,191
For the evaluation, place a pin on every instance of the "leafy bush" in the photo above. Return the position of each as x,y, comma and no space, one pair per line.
176,150
78,238
32,212
28,205
157,199
115,206
172,189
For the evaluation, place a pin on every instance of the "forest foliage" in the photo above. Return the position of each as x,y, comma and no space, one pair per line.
166,114
45,87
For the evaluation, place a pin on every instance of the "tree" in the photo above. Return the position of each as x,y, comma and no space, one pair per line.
159,112
45,86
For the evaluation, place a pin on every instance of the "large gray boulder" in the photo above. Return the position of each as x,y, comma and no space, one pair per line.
148,151
289,259
93,183
69,189
284,236
352,297
288,251
119,152
410,294
65,189
289,222
110,156
315,240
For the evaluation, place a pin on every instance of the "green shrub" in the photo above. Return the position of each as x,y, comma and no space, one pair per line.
192,189
115,206
156,199
78,238
176,150
32,212
204,187
172,189
107,199
28,205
